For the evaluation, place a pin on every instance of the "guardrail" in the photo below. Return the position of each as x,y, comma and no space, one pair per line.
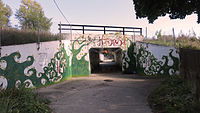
105,29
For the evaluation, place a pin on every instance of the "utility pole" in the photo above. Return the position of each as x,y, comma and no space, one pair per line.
60,33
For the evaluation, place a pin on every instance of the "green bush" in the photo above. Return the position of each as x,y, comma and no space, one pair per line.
173,96
22,101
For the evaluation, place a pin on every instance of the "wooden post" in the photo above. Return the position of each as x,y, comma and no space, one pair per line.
146,32
60,33
174,37
38,27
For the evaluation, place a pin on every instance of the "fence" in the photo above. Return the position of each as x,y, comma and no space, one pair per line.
189,68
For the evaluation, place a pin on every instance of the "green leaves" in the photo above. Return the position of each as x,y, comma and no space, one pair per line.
152,9
29,13
5,13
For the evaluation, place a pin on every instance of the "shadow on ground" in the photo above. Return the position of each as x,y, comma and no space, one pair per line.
101,93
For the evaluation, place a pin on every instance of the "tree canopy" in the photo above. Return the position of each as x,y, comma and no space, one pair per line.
152,9
5,13
29,13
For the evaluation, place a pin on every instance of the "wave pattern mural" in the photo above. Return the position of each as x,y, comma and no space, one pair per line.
59,61
17,74
149,64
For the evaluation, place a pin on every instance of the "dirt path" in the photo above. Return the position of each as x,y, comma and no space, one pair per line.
101,93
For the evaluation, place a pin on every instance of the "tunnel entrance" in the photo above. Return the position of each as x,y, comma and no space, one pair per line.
105,60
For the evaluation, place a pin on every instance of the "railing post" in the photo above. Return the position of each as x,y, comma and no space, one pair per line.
104,28
83,30
140,31
123,31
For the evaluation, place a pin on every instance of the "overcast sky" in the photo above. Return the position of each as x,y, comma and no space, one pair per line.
107,12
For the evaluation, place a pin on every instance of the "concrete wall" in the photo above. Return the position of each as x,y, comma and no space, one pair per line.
151,59
118,57
24,65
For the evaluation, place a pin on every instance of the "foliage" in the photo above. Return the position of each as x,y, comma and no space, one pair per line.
152,9
173,96
5,13
22,101
12,36
182,41
29,13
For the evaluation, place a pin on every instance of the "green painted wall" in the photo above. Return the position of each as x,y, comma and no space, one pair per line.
129,59
153,65
80,67
138,59
135,59
14,72
58,69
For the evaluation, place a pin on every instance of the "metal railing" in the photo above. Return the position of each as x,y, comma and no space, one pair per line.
104,29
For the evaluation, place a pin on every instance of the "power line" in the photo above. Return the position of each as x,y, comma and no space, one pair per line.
60,11
64,18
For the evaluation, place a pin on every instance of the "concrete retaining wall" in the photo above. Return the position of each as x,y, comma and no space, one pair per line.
151,59
24,65
55,61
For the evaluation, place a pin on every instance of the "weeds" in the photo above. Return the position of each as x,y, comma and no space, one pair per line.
182,41
173,96
11,36
22,101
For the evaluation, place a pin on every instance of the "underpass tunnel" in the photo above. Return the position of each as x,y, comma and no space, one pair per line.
105,60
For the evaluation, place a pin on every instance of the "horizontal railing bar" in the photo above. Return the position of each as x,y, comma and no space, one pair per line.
97,26
97,30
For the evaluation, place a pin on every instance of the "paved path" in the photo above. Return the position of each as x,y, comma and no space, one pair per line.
101,93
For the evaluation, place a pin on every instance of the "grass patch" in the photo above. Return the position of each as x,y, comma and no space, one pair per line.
182,41
22,101
173,96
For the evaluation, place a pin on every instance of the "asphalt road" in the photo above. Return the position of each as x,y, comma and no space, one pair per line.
101,93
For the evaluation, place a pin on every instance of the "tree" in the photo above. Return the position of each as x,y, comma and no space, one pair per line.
152,9
29,13
5,13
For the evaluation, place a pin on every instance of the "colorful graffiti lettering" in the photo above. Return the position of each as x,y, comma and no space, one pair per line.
111,41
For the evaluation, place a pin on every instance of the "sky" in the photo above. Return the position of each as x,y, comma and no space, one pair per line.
108,12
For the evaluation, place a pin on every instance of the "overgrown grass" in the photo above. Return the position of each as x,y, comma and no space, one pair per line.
11,36
173,96
22,101
182,41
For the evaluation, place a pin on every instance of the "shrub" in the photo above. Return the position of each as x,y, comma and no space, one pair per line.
173,96
22,101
